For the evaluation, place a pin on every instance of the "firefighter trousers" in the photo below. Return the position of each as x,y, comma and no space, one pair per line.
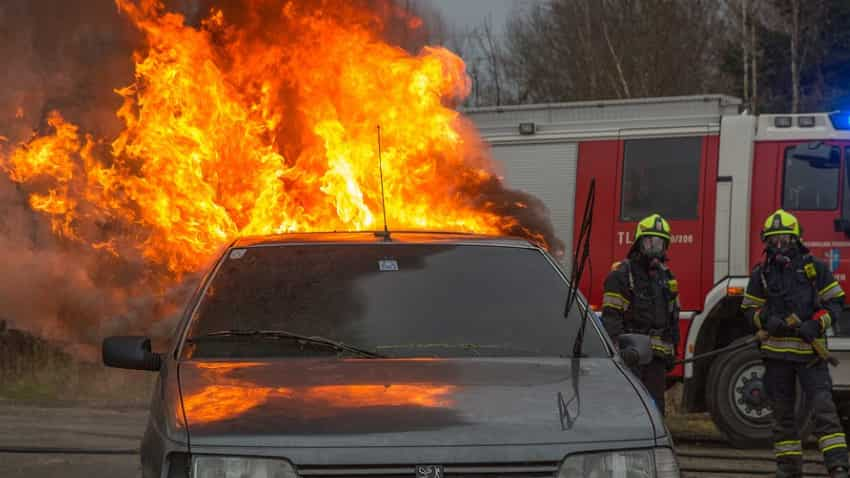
780,378
653,375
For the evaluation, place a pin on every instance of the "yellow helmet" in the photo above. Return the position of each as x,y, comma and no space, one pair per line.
780,222
653,225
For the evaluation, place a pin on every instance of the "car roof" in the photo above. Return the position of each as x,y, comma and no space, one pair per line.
377,237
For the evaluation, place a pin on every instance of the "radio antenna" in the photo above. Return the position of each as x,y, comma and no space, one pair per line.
386,233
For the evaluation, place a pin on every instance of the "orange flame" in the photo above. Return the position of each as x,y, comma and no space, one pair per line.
357,396
232,396
215,403
266,125
220,402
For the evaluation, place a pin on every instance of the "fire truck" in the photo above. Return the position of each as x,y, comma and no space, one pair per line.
715,172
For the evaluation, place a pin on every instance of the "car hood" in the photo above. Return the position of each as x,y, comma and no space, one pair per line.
413,402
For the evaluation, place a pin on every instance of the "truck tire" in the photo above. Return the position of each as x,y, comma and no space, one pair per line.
737,401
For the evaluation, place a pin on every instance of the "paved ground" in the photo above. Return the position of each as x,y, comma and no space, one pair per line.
703,452
24,427
29,428
68,466
714,459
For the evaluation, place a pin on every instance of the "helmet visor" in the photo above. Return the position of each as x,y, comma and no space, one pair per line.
780,241
652,246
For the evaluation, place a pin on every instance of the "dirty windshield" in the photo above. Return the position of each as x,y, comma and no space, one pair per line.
397,300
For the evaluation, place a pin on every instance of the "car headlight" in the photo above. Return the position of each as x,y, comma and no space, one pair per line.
649,463
208,466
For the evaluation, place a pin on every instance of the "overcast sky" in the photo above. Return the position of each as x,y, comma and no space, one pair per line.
470,13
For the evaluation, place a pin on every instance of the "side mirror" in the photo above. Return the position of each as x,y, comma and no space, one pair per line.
130,352
639,342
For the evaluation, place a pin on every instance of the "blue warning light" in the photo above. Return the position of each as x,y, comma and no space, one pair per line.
840,120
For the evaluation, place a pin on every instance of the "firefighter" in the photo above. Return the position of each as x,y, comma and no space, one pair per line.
794,298
642,296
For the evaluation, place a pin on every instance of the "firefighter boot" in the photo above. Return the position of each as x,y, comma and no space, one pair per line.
838,472
789,467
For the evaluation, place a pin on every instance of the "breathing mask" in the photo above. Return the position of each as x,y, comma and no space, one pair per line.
653,247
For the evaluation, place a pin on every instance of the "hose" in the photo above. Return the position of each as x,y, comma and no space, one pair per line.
734,346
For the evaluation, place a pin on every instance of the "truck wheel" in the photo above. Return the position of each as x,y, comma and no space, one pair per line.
738,403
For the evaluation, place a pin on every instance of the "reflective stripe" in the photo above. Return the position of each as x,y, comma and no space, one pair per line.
671,306
660,346
825,321
792,345
757,319
788,447
811,272
751,301
615,301
832,291
673,285
831,442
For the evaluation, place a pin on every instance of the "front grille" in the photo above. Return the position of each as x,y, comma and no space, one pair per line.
510,470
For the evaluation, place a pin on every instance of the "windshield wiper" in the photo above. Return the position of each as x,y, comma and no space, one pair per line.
582,252
282,334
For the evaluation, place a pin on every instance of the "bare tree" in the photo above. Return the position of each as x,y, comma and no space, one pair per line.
582,49
795,56
491,51
484,55
745,48
754,97
802,27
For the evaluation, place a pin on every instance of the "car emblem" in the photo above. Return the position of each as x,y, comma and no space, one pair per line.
429,471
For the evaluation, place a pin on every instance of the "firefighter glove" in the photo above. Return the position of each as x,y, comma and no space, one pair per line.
630,356
810,330
775,326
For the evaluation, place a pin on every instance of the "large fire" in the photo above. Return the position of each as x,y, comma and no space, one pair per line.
267,126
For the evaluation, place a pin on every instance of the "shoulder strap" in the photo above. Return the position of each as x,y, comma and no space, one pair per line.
628,265
812,274
760,267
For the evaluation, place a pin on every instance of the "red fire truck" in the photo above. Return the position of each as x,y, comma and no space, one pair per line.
715,172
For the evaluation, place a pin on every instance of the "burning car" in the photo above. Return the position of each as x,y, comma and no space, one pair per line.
391,355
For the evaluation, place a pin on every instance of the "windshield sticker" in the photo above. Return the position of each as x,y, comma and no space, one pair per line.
238,253
387,265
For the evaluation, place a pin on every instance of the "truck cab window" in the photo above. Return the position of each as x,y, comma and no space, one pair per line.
649,169
811,184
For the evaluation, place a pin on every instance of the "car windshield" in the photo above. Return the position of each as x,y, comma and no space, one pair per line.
397,300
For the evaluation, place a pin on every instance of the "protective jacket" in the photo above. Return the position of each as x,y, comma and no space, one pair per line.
799,285
644,300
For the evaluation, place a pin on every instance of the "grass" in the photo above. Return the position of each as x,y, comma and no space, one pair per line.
692,426
32,369
79,382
